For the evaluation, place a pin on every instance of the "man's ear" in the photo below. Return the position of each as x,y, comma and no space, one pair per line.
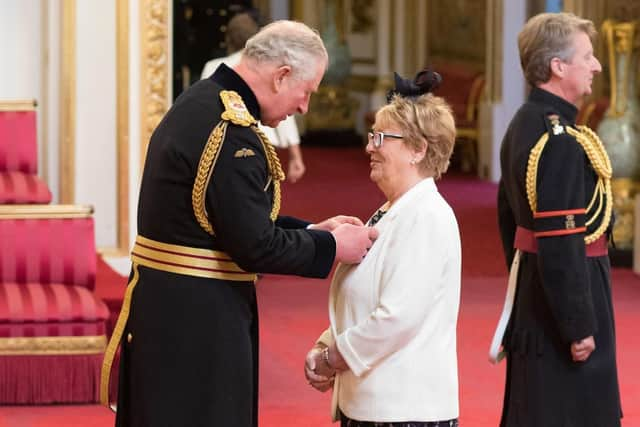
282,73
557,67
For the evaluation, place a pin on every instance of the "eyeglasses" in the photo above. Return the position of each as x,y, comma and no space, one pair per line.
376,138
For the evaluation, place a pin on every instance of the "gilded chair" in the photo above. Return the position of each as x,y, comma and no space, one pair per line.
52,325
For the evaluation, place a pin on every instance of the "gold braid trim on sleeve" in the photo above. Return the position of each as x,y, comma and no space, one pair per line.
275,170
203,176
600,162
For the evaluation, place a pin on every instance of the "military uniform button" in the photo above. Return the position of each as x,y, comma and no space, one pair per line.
129,337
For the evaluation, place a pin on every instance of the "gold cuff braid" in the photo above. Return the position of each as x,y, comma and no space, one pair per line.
597,155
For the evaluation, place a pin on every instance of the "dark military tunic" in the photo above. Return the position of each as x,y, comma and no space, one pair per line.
190,346
563,295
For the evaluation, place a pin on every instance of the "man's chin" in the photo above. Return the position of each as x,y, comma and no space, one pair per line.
272,123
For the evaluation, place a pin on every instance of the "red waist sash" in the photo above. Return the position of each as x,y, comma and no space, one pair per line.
527,242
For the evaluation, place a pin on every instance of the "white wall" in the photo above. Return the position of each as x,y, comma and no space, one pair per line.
30,48
513,83
20,52
95,118
279,9
20,49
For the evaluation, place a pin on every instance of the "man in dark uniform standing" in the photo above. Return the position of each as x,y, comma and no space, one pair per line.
208,222
554,206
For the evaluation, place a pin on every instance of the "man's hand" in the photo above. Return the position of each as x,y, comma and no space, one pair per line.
331,223
312,361
353,242
581,350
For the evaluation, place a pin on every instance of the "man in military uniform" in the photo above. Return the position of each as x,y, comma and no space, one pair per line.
208,222
554,206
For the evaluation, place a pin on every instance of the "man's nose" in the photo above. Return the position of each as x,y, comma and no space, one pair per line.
598,66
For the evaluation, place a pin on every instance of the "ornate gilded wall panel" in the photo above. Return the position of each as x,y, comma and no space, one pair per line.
154,67
457,30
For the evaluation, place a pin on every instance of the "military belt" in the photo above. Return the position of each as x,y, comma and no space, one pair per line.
187,261
527,242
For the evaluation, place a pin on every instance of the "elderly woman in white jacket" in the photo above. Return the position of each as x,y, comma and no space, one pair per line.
390,352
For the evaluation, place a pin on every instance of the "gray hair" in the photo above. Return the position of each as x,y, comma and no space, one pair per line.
288,43
547,36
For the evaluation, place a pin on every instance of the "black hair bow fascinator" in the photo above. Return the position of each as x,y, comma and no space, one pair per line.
425,81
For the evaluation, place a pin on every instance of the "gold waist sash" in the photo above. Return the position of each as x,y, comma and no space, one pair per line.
187,261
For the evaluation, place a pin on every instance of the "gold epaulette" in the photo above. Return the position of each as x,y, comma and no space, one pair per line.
236,113
600,162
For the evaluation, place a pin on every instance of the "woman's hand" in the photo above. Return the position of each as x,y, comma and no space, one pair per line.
312,362
335,358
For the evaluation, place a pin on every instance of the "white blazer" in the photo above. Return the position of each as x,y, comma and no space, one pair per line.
394,316
286,133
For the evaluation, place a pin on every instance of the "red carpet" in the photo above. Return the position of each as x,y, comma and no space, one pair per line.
293,310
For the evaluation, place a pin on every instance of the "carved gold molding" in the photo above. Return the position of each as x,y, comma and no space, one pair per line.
624,194
493,48
154,67
18,105
122,123
45,211
296,10
52,345
68,102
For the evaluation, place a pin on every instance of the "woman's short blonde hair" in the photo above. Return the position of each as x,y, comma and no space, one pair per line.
547,36
429,118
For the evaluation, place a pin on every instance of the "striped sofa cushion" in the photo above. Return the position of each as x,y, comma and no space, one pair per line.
36,310
48,251
19,187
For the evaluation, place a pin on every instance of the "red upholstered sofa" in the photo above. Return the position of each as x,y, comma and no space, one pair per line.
19,182
52,325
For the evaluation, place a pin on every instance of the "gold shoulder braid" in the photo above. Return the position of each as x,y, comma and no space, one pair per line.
600,162
236,113
275,170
